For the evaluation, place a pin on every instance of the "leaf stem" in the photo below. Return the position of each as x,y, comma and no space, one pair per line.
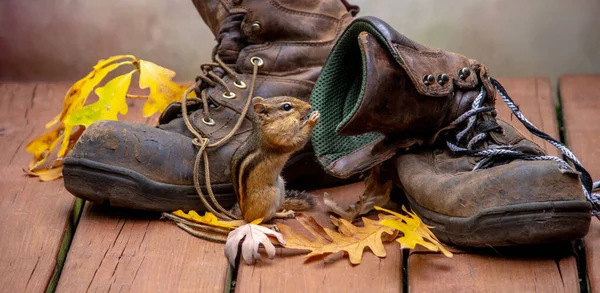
137,96
177,219
201,234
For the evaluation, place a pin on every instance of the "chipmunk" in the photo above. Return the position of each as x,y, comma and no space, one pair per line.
280,129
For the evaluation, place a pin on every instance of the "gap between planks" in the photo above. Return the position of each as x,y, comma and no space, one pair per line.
34,215
121,250
580,100
289,272
495,272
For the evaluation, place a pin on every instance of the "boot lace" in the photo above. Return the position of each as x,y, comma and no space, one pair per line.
493,152
209,77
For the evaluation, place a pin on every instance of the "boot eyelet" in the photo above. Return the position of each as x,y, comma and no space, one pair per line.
442,79
230,95
428,79
464,73
240,84
209,122
255,27
257,61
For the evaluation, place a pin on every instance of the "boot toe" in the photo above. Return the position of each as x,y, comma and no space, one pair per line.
138,166
522,202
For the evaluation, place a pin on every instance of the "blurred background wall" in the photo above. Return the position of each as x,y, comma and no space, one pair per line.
63,39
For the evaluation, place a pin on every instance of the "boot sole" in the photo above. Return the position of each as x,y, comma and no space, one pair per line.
121,187
522,224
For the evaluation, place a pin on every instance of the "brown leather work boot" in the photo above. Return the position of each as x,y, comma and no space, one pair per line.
265,48
473,177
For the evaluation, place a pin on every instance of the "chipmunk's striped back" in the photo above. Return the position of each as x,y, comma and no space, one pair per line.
279,129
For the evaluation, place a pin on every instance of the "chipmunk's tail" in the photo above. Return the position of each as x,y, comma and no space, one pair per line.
299,200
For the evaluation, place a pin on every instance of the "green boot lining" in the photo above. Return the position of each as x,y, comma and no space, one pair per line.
338,94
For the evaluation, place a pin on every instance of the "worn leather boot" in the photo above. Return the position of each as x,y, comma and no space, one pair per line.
265,48
475,178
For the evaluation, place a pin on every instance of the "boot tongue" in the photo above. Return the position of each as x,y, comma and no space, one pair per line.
230,38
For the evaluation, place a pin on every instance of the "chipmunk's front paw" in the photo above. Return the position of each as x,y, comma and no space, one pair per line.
314,118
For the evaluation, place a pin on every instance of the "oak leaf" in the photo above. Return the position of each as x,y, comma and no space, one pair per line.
76,115
209,219
163,90
111,102
251,236
47,174
351,239
414,231
81,89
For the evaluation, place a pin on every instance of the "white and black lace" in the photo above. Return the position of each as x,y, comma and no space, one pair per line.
496,152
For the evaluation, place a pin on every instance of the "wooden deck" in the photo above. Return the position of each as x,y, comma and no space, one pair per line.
117,250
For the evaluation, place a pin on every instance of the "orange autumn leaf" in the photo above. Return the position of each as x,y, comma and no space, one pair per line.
414,231
353,240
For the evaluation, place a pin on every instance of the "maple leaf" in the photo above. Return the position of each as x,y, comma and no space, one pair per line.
351,239
163,91
210,219
414,231
252,236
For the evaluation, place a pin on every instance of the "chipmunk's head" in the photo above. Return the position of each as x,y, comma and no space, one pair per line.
286,111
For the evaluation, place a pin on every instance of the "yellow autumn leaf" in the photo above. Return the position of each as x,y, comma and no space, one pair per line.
414,231
37,162
48,174
76,115
208,219
80,90
163,90
74,100
111,102
42,144
353,240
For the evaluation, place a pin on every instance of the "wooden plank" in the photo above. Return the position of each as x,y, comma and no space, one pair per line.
580,99
479,273
534,98
118,250
289,273
33,214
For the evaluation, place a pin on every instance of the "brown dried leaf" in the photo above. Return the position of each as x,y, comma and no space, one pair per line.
325,241
377,193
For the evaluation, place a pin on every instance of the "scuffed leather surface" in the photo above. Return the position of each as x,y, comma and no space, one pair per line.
445,183
163,156
396,102
294,41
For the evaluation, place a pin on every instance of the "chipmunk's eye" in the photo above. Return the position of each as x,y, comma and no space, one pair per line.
286,107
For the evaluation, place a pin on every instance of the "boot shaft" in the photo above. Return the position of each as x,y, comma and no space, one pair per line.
380,92
430,87
292,37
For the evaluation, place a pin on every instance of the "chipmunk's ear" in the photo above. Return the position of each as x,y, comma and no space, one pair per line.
259,107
